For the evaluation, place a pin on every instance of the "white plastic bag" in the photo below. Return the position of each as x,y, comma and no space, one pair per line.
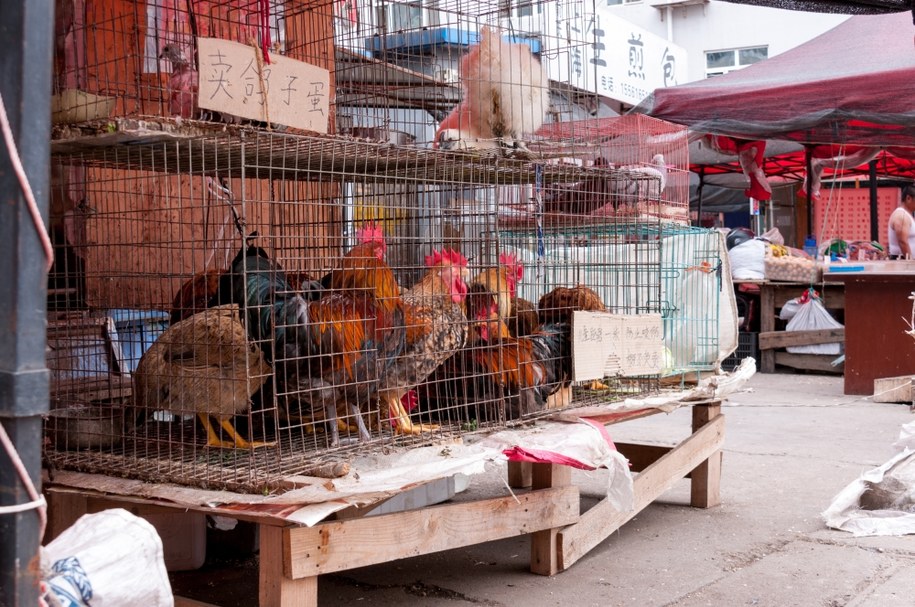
108,559
813,316
790,308
748,260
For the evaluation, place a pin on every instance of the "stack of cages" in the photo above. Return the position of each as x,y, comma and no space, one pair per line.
236,300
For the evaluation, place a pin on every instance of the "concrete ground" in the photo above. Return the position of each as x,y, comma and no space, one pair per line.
792,442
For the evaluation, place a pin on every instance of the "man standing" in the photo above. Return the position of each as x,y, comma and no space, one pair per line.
901,230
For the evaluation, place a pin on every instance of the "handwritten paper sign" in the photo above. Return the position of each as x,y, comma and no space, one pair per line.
289,92
616,345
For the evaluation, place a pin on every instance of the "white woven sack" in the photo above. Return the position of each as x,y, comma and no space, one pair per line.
108,559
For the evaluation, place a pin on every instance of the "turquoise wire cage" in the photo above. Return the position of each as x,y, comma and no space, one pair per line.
636,268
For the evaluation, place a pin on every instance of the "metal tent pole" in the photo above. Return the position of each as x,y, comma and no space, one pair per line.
808,179
699,197
26,26
872,175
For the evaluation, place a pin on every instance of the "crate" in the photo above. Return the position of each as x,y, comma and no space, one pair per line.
136,332
747,345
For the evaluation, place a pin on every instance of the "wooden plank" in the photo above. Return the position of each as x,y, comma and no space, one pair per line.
275,587
181,601
810,362
641,456
98,501
783,339
705,488
340,545
544,544
519,475
893,389
599,522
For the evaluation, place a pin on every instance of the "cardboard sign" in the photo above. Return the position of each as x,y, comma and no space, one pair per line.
616,345
290,92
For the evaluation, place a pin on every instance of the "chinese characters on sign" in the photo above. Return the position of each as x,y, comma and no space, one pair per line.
605,345
593,49
290,92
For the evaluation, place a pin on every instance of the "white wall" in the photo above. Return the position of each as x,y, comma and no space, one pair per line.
723,25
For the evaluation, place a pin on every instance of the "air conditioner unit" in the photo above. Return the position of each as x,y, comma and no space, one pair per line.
405,16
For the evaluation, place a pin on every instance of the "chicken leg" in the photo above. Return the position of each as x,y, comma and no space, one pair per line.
403,423
237,442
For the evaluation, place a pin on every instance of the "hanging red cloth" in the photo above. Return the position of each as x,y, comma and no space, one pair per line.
750,155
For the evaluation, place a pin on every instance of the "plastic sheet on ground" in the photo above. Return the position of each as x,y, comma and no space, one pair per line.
882,500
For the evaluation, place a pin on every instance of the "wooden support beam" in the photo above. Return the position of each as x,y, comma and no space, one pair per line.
276,588
783,339
64,507
705,488
519,475
766,325
641,456
544,544
340,545
599,522
810,362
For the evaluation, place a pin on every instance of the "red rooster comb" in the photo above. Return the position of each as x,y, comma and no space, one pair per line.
370,232
449,256
510,262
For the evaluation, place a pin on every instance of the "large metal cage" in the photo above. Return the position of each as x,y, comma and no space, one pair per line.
235,302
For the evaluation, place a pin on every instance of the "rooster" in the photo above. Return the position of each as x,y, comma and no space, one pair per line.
183,82
435,329
558,306
494,366
502,282
506,94
524,319
204,365
327,353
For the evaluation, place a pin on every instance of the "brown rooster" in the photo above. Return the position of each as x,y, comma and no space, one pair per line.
194,295
502,282
495,367
204,365
558,305
328,352
436,328
523,319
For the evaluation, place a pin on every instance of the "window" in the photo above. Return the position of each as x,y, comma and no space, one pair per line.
722,62
520,8
619,2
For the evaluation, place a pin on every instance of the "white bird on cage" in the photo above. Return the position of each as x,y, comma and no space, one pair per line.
639,188
506,94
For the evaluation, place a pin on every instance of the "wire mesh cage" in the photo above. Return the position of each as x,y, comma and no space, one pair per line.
232,305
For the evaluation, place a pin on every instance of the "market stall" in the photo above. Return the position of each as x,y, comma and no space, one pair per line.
827,95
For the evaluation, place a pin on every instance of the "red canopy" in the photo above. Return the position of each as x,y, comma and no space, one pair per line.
854,84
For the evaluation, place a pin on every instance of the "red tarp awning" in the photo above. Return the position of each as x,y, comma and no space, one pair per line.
853,84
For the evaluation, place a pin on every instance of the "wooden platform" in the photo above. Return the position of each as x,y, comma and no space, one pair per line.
292,557
772,295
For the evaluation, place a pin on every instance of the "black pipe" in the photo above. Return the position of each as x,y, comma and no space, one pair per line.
699,197
27,28
808,185
872,175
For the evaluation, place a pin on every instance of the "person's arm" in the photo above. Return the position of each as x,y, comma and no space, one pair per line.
901,225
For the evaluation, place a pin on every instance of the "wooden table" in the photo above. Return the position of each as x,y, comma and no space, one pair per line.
292,556
772,295
877,312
